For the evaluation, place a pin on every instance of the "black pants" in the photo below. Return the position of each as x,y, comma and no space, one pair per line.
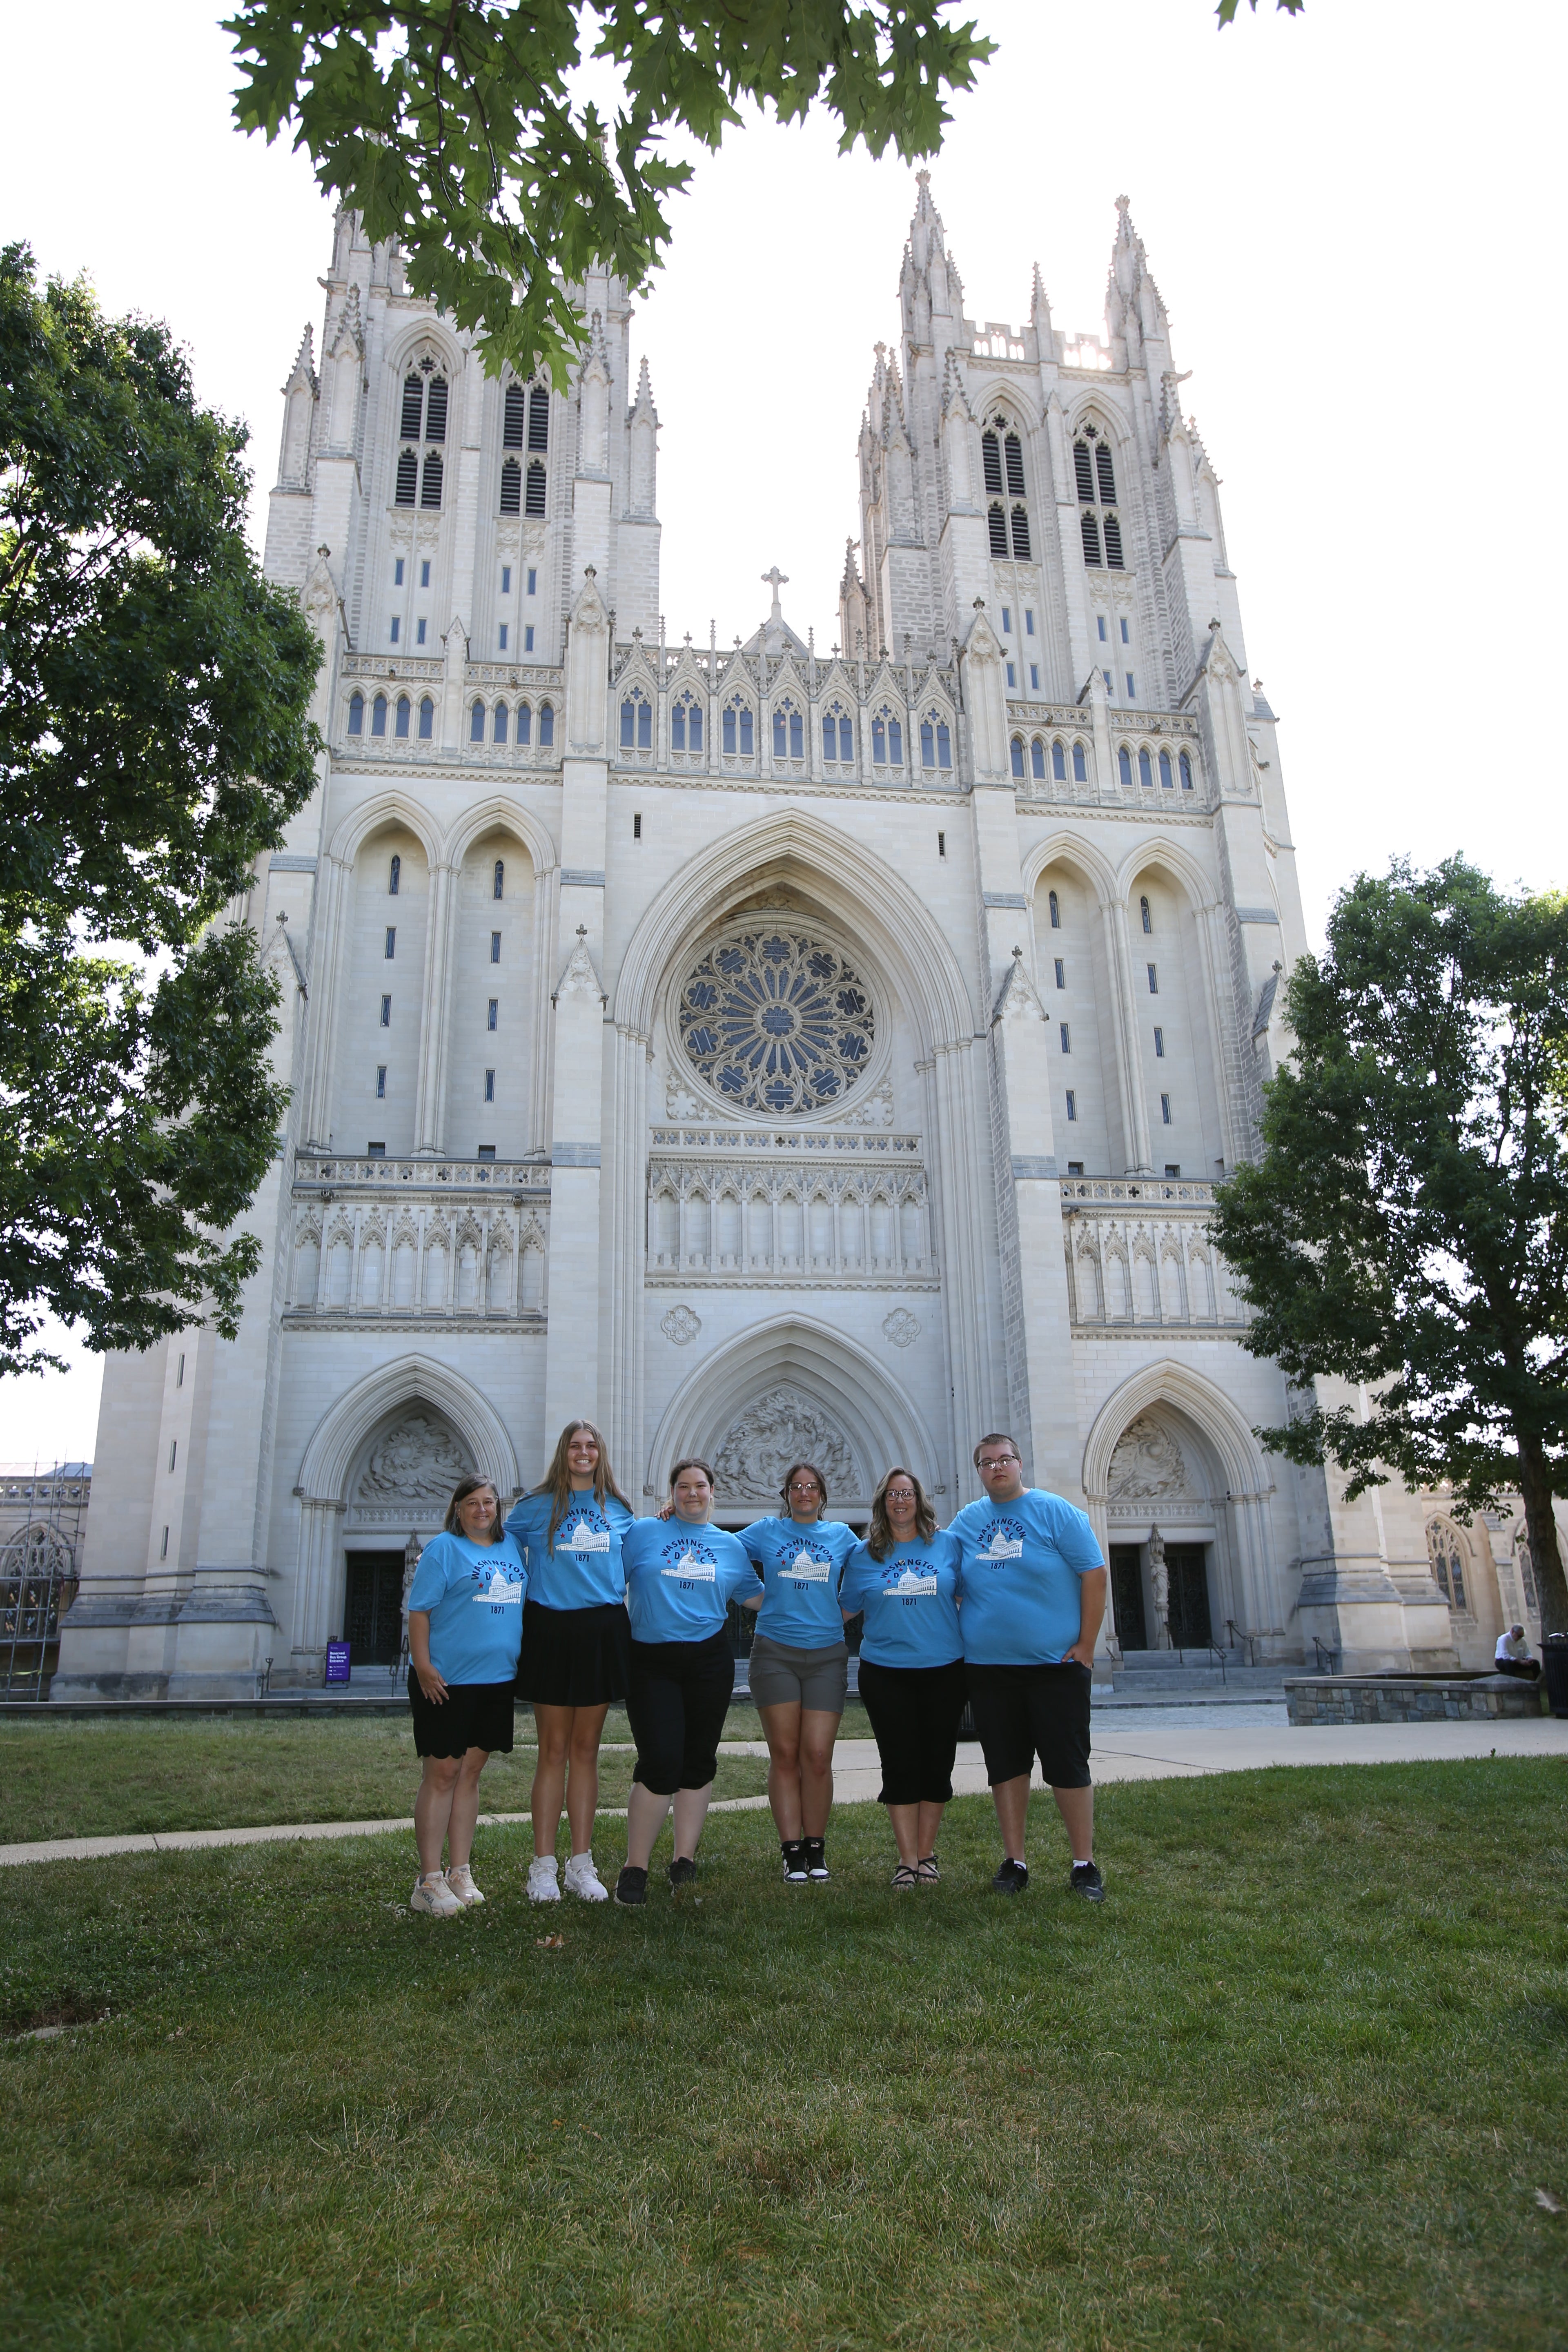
914,1713
1524,1670
680,1696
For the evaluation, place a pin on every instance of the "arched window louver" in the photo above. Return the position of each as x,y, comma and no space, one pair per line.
514,422
1094,477
422,430
534,503
511,488
1002,467
539,418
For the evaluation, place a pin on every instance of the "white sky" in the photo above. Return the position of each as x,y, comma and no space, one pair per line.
1353,217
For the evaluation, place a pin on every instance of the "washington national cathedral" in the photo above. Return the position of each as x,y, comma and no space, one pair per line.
763,1048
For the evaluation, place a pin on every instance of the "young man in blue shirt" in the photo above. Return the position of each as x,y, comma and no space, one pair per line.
1031,1596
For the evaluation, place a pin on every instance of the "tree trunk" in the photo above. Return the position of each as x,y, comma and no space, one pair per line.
1546,1559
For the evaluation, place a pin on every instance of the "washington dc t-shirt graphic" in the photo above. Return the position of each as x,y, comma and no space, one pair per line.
1005,1541
501,1591
907,1583
584,1530
689,1562
806,1566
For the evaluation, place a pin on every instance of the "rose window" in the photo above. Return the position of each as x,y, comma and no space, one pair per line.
776,1023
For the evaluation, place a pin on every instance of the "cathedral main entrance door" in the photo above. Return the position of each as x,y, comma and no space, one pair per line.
1191,1628
373,1608
1127,1595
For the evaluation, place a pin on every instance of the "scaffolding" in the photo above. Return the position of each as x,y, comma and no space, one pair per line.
42,1512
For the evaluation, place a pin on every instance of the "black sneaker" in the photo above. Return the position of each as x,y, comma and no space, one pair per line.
792,1851
1012,1878
815,1859
682,1871
631,1888
1087,1881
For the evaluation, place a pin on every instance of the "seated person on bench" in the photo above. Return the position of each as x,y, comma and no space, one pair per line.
1512,1656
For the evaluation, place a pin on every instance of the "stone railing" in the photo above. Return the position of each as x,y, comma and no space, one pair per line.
1139,1256
416,1240
831,1210
1053,735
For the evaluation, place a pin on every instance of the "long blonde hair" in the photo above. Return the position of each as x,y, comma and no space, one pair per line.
881,1539
557,1479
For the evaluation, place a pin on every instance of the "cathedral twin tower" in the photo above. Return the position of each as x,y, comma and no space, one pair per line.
764,1052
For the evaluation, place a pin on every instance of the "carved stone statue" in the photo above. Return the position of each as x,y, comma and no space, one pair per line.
1147,1466
1160,1578
417,1461
780,1427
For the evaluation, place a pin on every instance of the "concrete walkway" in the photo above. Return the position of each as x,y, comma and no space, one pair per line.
1177,1743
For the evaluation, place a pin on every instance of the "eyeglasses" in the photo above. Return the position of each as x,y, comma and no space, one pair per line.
997,1461
899,1494
806,1486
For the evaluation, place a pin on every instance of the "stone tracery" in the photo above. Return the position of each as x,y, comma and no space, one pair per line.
777,1022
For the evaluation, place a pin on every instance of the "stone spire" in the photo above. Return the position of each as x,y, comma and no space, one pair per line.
1135,313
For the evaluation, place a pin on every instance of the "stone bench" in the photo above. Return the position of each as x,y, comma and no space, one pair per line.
1409,1698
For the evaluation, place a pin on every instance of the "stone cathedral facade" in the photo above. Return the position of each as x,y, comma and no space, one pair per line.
761,1048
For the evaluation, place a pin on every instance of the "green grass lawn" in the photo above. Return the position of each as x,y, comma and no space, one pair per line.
100,1777
1296,2083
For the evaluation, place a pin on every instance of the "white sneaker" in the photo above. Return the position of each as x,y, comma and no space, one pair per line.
541,1886
434,1895
461,1882
583,1881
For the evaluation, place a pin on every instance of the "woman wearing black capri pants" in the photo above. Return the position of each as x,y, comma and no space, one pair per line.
905,1578
681,1575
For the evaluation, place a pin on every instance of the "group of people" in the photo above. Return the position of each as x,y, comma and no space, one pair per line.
574,1603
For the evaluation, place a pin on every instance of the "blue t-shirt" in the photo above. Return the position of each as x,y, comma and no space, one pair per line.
801,1568
474,1594
910,1602
581,1567
1020,1603
680,1577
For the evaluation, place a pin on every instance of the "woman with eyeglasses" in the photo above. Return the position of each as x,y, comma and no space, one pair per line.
905,1577
800,1664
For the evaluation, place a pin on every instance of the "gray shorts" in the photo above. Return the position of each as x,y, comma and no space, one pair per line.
818,1678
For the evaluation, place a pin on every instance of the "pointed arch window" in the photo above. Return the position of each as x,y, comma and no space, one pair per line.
476,724
1038,761
1165,772
837,735
356,714
1447,1554
533,502
887,740
426,717
686,725
499,725
1145,772
514,422
1144,916
1080,764
394,876
1186,767
405,708
1056,912
636,723
546,725
539,418
422,431
1020,535
499,879
1124,764
1059,761
998,520
739,735
511,488
524,731
1017,749
1094,477
378,715
789,732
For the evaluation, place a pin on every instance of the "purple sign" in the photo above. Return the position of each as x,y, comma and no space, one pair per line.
337,1662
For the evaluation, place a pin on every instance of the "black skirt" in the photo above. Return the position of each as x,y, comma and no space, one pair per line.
575,1657
472,1715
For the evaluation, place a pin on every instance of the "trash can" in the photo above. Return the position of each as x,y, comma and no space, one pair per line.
1554,1671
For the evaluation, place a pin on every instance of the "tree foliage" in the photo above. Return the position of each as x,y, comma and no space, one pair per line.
153,737
1406,1227
453,125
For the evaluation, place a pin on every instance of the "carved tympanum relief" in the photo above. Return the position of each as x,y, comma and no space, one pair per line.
780,1427
1147,1466
418,1462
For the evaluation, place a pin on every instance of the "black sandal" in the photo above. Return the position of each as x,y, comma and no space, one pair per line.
905,1877
927,1871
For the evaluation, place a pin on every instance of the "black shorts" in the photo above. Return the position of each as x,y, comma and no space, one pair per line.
472,1715
1022,1712
575,1657
679,1696
914,1713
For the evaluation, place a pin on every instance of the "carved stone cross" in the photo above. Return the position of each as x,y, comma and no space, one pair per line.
776,579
